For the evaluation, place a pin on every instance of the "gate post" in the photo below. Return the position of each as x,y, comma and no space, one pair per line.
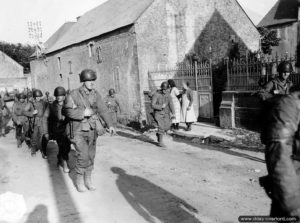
228,76
196,76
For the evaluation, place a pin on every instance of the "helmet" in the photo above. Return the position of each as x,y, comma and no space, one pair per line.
37,93
111,91
164,85
285,67
87,75
22,96
59,91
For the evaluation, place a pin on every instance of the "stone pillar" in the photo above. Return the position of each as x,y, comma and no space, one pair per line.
227,110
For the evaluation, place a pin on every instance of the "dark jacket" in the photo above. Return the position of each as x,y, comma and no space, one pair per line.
74,108
54,121
281,136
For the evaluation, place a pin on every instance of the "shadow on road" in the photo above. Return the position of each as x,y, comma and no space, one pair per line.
66,207
142,138
220,149
39,214
153,202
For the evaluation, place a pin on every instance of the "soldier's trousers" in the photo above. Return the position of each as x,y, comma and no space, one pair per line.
38,142
163,121
63,147
85,143
20,132
2,128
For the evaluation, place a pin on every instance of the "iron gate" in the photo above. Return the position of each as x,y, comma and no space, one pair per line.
199,75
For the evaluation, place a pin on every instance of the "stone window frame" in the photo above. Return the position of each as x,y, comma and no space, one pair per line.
59,63
99,54
90,46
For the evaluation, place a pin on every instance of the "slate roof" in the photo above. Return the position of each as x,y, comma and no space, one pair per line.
107,17
284,11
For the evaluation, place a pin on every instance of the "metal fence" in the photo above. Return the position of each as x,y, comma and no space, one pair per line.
199,75
245,74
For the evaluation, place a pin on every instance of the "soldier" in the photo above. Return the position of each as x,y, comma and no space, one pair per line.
281,136
2,119
20,115
82,107
163,107
55,127
38,140
113,105
280,85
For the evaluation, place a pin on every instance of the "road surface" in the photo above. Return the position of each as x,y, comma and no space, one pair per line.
138,182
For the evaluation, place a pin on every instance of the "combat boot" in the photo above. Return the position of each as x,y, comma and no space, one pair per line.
160,140
65,166
88,180
79,183
19,143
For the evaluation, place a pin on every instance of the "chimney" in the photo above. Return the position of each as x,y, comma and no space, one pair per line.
78,17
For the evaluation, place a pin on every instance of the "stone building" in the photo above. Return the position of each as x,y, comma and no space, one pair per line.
11,74
283,17
123,40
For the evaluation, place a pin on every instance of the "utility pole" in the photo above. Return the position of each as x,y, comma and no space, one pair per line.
35,33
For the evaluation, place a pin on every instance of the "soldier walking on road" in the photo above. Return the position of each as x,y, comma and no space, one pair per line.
20,118
83,107
281,136
163,108
55,127
38,139
2,119
113,106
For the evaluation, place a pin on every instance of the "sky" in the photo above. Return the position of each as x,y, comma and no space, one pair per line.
15,14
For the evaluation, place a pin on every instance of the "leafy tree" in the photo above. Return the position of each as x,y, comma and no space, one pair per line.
268,39
19,52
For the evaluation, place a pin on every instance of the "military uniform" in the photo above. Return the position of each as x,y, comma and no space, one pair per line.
82,130
20,115
38,140
55,124
162,114
281,137
2,117
113,104
275,87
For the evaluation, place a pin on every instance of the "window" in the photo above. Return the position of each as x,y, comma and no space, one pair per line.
278,33
99,54
59,63
91,49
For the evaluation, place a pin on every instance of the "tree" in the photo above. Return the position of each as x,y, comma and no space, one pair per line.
268,39
19,52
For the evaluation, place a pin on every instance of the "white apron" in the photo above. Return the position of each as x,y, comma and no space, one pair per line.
174,93
187,116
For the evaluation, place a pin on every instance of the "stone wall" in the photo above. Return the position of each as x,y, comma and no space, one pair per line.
171,29
240,110
113,56
9,68
288,43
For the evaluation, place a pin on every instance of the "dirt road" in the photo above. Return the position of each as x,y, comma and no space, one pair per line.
138,182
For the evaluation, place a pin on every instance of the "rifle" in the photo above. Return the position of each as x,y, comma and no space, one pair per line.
70,122
47,96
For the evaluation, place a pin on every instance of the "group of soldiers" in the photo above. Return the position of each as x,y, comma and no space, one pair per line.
74,120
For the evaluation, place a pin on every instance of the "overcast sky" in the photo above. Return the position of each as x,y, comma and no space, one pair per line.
14,15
